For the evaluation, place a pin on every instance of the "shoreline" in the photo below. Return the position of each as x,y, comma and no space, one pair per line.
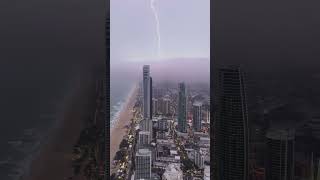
53,160
124,103
118,131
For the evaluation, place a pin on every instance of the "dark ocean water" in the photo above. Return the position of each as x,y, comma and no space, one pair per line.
44,46
31,97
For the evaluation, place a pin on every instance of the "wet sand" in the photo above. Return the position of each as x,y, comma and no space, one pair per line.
119,131
54,159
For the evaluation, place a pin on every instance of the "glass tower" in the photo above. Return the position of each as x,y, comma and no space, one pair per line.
182,108
231,126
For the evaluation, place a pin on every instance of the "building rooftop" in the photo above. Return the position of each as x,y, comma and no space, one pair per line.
173,152
207,173
229,67
197,103
204,138
144,152
144,132
173,172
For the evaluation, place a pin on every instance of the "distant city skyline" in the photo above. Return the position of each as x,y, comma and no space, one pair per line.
184,29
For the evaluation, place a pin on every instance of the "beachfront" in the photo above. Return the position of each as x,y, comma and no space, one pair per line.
54,160
119,131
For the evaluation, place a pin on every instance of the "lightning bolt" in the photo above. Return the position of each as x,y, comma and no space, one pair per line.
156,17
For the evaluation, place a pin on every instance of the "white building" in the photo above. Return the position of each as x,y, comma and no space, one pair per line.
208,116
206,173
173,152
190,153
173,172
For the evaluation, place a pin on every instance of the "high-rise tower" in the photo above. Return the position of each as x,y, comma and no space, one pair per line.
143,164
182,108
280,155
146,123
146,92
151,108
197,116
231,128
107,100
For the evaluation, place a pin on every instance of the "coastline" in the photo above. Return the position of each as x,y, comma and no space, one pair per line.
118,131
53,160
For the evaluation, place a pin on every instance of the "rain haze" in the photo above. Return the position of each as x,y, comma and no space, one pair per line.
277,44
278,41
277,34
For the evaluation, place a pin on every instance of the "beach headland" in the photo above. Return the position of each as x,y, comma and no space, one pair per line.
118,131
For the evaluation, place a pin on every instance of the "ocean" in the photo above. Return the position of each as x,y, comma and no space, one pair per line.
30,107
121,84
42,44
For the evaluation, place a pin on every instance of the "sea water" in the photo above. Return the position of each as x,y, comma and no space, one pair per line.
30,105
121,85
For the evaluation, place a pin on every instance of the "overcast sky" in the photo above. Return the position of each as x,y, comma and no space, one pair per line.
184,29
271,33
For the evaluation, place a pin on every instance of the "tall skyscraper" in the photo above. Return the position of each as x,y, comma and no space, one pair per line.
182,108
146,92
318,171
145,135
197,116
143,159
280,155
231,128
150,90
143,164
107,100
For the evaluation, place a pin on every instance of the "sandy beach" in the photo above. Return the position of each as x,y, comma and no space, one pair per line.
54,159
119,131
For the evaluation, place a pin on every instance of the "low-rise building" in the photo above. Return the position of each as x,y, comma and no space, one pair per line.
173,172
199,159
206,173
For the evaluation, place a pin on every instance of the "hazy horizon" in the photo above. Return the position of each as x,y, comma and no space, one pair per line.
175,70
